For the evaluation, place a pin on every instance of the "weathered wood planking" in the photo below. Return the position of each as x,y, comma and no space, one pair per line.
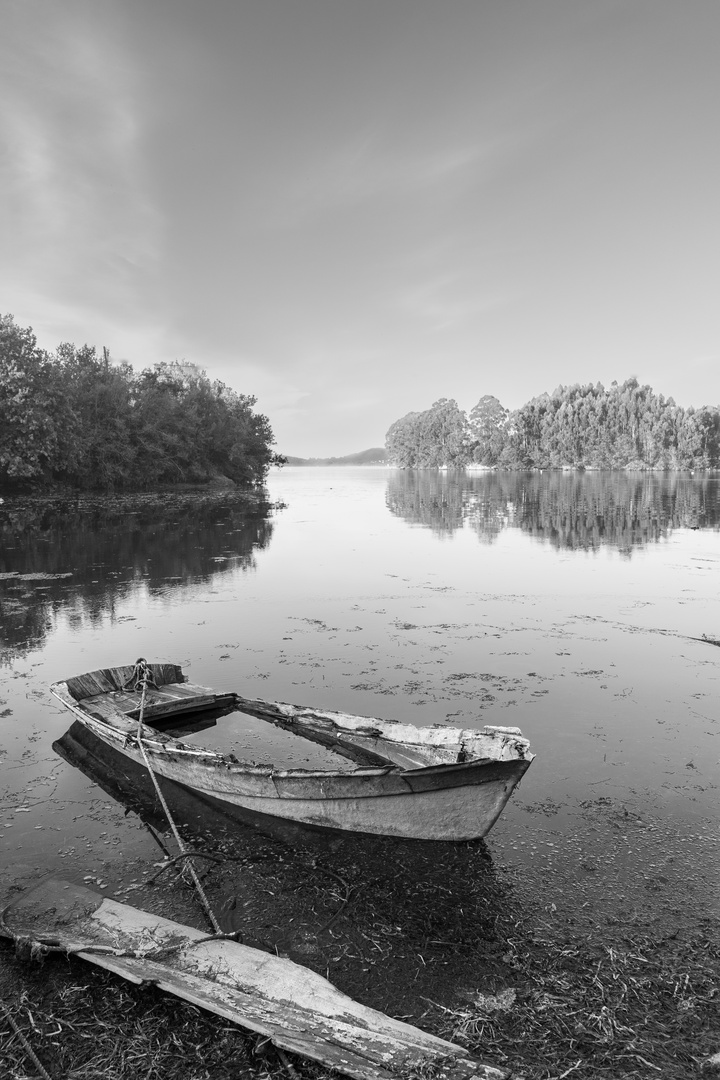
106,680
296,1008
167,701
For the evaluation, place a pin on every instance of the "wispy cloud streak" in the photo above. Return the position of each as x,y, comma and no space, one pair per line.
85,232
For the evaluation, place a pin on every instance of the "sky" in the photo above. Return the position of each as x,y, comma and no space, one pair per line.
353,208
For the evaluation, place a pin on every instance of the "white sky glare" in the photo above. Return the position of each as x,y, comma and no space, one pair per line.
351,208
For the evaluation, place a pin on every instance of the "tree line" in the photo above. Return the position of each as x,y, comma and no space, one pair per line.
76,419
626,426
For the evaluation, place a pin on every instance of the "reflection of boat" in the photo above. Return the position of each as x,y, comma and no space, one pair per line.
297,1009
205,819
354,773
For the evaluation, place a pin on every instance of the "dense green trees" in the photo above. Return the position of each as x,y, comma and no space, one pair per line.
28,431
487,430
74,417
626,426
434,437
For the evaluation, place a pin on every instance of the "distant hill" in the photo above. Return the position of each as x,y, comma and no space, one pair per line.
375,456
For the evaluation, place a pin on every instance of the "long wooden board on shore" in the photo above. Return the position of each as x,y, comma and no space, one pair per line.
297,1009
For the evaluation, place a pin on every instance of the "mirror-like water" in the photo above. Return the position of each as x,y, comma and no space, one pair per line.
573,606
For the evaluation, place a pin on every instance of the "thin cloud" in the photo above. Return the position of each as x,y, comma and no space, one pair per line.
366,169
446,302
84,229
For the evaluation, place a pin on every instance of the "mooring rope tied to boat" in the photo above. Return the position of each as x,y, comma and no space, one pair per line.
142,676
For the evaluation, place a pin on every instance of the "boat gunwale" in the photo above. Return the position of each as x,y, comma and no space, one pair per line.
162,746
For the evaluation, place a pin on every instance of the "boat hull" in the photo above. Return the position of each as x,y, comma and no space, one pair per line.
458,803
414,783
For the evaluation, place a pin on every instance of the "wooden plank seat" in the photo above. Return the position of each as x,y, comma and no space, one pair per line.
121,708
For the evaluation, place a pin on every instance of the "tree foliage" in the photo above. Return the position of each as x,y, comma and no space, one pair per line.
625,426
77,418
488,430
435,437
28,432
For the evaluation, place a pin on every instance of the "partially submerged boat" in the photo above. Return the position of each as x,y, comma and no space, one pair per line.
353,773
297,1009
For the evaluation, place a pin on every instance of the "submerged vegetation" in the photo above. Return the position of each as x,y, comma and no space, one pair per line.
76,419
623,427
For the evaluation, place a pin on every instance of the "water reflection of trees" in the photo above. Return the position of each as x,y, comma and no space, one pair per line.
570,510
83,557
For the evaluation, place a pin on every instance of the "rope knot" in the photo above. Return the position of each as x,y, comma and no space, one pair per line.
29,949
141,676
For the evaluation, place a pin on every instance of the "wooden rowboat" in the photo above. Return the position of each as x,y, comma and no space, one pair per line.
297,1009
347,772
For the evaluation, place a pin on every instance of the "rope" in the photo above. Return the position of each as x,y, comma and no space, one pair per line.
142,676
26,1045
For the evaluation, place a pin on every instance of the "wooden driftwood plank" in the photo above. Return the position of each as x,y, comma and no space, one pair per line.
296,1008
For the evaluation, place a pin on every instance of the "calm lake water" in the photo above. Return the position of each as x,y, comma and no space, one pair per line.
572,606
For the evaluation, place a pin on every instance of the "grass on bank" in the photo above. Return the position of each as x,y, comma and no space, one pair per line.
637,1008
